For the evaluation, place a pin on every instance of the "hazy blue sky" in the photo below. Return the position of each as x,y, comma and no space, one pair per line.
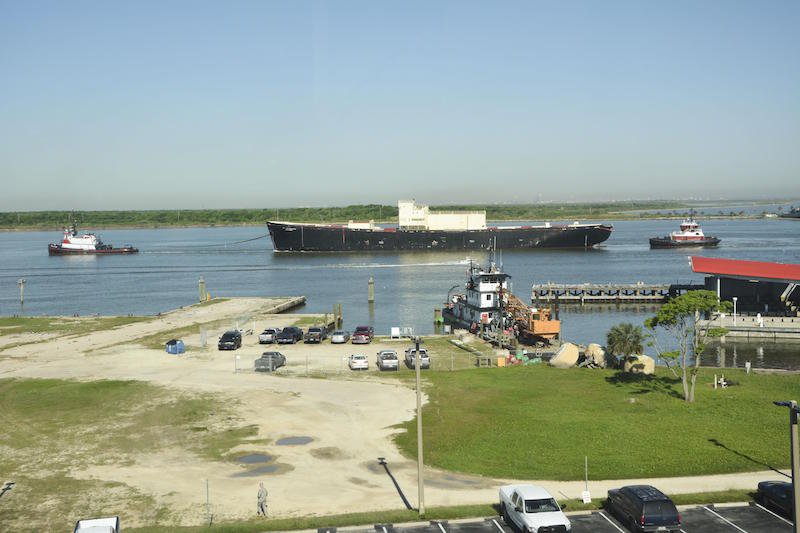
260,104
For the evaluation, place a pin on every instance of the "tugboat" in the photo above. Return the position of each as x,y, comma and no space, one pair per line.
487,304
87,243
690,235
794,212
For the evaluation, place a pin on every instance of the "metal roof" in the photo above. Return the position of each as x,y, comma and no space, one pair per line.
750,270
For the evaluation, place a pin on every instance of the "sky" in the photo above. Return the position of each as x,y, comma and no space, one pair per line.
195,104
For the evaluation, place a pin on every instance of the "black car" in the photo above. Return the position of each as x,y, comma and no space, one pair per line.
230,340
777,495
290,335
643,508
269,361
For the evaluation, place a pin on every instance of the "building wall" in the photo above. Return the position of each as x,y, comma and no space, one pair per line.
753,296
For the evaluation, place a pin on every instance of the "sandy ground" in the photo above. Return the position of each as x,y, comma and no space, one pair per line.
347,417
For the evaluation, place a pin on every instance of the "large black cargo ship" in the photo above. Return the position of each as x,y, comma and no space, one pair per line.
421,230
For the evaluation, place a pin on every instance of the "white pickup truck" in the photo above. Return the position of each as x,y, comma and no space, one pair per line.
532,509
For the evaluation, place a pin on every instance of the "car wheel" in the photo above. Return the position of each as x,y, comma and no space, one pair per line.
504,513
634,527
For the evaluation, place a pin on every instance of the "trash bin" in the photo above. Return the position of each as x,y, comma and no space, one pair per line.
175,347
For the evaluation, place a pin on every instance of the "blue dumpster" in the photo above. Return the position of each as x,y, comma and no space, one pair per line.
175,347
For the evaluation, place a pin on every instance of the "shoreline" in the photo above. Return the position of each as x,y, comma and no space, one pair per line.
592,218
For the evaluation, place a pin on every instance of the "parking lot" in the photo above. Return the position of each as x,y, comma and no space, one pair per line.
739,518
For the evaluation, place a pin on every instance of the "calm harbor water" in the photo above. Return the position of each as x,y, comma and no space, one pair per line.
408,285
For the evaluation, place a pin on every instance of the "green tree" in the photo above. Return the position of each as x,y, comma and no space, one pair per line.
678,318
625,339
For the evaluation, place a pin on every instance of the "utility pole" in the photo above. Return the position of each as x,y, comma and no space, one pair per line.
420,478
795,447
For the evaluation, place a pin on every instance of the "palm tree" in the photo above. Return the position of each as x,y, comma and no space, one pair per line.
625,339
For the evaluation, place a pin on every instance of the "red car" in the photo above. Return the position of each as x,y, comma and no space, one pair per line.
362,335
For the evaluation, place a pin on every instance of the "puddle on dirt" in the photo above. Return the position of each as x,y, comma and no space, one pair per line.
254,458
267,469
294,441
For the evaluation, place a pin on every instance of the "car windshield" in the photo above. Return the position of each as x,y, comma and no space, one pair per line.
362,329
359,357
545,505
388,356
314,330
228,336
338,332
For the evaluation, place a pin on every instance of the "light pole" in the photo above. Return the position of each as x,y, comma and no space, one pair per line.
795,447
420,479
734,309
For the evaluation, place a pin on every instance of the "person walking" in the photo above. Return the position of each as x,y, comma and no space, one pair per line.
262,500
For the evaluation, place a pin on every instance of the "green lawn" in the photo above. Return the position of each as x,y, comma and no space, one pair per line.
539,422
64,325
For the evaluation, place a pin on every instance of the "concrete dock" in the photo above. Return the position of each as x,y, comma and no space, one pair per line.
754,327
586,293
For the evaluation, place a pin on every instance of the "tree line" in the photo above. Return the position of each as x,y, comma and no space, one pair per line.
377,212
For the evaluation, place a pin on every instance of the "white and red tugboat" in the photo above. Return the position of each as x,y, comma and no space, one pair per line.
690,235
87,243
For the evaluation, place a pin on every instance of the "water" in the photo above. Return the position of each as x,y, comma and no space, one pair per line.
408,285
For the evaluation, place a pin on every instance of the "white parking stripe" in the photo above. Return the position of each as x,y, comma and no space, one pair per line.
441,528
773,514
609,521
498,526
724,519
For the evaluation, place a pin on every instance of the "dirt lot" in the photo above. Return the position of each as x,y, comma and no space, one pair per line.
345,417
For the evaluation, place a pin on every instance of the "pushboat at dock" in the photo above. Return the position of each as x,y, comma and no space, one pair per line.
85,244
421,229
488,307
690,234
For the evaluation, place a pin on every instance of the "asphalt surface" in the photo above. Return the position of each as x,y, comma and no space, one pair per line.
739,518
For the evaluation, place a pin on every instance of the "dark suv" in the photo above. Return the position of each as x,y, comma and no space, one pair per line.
230,340
290,335
644,508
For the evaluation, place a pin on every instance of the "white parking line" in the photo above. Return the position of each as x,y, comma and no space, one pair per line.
773,514
441,528
498,526
610,522
724,519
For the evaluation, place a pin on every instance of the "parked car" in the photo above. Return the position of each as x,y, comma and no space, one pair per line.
289,335
98,525
358,362
424,359
644,508
315,334
387,360
230,340
532,508
340,336
269,361
362,335
776,495
268,336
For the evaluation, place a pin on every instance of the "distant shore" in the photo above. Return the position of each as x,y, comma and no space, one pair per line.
149,219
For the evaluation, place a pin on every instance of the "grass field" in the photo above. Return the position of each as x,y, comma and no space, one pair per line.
539,422
64,325
50,428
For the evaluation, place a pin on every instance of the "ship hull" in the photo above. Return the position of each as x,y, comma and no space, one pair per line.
55,249
329,238
666,242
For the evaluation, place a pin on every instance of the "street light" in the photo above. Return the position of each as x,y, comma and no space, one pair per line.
734,309
795,448
420,480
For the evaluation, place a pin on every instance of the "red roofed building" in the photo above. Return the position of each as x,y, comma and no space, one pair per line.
759,287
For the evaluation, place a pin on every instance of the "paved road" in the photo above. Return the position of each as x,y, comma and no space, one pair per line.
700,519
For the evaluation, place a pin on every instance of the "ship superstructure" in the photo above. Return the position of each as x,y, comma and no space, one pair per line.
690,234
